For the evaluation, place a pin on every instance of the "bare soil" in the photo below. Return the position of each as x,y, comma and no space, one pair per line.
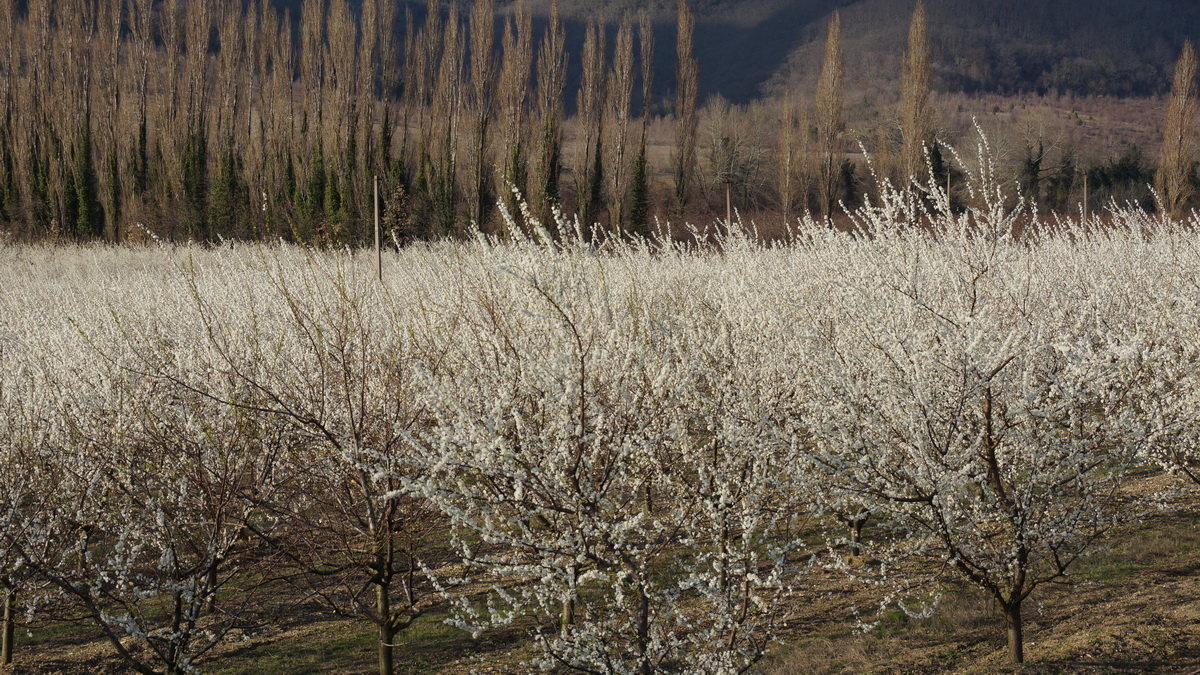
1132,608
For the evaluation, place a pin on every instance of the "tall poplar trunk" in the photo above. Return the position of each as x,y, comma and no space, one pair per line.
829,115
916,114
687,77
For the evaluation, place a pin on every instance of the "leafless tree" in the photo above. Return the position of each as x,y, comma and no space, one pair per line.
591,103
1179,138
511,154
792,156
686,87
916,123
482,103
620,102
551,79
829,117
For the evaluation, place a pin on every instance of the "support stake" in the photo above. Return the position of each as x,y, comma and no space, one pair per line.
378,237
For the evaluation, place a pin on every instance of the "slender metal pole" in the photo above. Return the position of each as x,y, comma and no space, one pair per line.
378,246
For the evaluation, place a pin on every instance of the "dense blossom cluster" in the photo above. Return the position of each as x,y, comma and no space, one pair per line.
611,446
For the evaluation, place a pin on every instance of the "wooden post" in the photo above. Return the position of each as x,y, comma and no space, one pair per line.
378,237
1085,195
728,207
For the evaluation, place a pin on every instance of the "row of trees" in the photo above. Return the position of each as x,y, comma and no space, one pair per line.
237,120
231,119
636,453
234,120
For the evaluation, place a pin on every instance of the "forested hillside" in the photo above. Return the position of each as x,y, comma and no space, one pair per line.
1109,47
271,119
750,47
1002,46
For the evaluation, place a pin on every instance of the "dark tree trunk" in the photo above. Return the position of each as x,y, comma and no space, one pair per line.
857,524
568,607
643,633
1016,635
383,605
210,605
9,632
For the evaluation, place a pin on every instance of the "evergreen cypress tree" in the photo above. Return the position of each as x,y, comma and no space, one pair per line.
225,196
1031,172
114,195
385,138
87,216
8,187
334,214
289,181
848,183
142,166
596,186
553,169
314,200
41,210
195,184
639,202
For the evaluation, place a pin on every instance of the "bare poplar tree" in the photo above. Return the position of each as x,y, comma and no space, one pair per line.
590,172
278,197
620,102
423,51
1179,138
514,97
8,183
442,172
483,41
370,89
110,22
793,155
416,87
389,75
686,87
915,110
646,47
829,117
551,79
345,135
639,197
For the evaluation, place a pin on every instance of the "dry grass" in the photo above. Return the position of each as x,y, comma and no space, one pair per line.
1132,608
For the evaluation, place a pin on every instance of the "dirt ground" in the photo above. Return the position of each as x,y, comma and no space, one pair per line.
1134,607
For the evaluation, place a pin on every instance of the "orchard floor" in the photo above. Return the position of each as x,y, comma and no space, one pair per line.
1132,608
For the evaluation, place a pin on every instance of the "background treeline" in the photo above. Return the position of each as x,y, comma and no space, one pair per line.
235,119
256,120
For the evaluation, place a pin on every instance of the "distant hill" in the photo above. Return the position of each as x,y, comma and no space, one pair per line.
1083,47
748,48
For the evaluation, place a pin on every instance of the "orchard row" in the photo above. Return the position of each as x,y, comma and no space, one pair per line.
612,448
